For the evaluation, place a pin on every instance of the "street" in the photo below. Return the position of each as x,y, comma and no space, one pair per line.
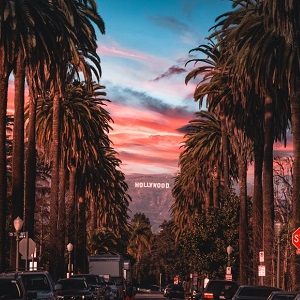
142,296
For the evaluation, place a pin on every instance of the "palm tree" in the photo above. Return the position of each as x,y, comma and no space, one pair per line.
200,159
3,171
77,41
140,241
102,240
241,37
89,159
215,85
283,21
17,43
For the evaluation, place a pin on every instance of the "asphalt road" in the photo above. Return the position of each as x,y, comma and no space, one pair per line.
142,296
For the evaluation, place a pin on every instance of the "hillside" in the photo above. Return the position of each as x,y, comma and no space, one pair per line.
151,195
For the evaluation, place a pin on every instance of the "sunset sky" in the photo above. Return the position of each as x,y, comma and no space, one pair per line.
143,55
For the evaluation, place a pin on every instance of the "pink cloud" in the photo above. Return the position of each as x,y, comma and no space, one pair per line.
118,51
150,142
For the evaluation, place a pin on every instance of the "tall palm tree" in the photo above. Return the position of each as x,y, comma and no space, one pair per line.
18,42
76,41
215,86
141,236
241,37
283,19
86,154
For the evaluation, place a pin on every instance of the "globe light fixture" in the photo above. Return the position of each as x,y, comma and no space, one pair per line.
70,249
18,224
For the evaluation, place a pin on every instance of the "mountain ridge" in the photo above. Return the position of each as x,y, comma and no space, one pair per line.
152,195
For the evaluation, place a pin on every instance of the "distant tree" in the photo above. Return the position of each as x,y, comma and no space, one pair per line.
204,250
140,242
102,241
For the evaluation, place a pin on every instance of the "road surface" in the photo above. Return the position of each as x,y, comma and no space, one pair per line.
147,296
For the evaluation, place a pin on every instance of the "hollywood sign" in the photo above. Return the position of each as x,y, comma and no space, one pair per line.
155,185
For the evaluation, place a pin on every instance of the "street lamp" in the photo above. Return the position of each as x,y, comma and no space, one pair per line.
160,282
69,248
278,229
229,251
18,224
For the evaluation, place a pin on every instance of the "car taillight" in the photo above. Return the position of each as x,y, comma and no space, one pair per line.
208,296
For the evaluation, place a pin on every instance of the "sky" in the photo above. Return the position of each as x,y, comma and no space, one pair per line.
143,57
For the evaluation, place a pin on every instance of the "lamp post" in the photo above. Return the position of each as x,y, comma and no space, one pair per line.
160,282
69,248
229,250
278,229
18,224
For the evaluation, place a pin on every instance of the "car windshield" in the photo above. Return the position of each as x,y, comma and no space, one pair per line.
73,284
101,279
9,289
35,282
89,279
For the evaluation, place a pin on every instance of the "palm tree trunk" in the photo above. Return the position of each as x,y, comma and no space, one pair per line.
62,219
216,185
295,109
55,184
30,170
18,143
268,190
257,208
82,265
243,217
72,213
3,171
243,221
226,184
207,199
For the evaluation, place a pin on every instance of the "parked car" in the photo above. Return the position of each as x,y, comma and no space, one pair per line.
196,294
73,288
39,282
282,295
219,289
254,292
95,283
113,290
167,289
12,288
177,292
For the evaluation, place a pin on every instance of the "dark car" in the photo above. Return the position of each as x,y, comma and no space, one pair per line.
12,288
177,292
282,295
167,289
73,288
96,284
219,289
254,292
196,294
39,283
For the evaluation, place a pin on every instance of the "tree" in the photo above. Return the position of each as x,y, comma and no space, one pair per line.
282,19
263,88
